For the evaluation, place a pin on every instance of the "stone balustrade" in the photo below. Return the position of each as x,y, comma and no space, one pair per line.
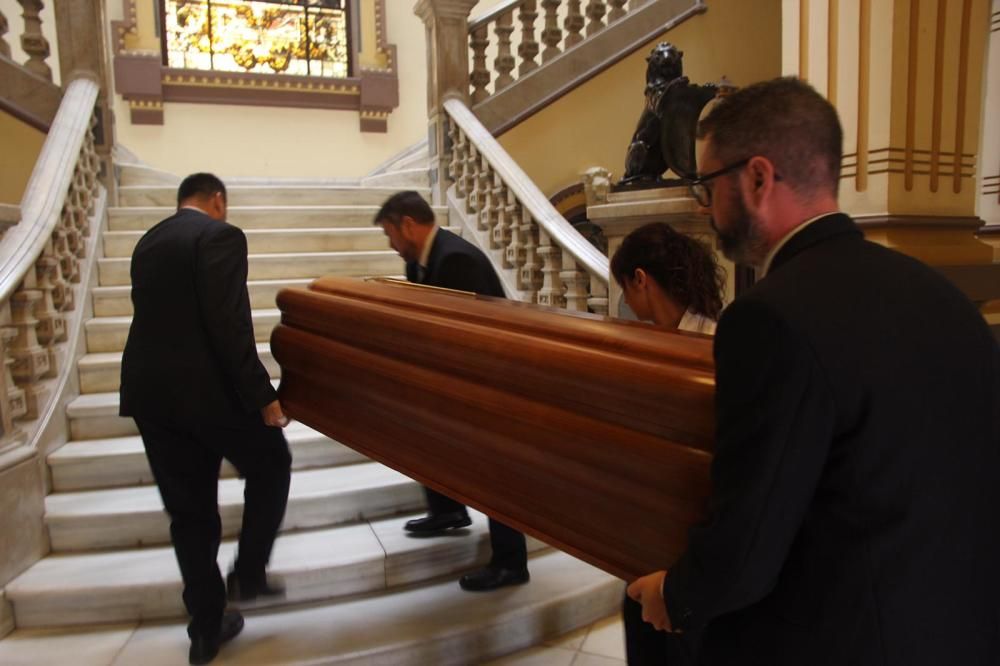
544,260
40,264
33,42
517,30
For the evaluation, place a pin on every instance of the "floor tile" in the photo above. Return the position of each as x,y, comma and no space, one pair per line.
606,638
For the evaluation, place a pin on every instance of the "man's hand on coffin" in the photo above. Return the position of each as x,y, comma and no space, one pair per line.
273,415
648,591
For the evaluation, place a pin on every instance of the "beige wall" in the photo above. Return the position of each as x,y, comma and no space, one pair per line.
21,146
593,125
283,142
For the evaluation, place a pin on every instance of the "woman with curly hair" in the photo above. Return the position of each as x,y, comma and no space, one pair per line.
669,278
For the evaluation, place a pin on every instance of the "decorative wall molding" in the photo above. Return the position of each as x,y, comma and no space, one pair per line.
146,83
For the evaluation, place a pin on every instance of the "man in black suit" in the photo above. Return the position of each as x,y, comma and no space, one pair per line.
193,382
856,480
437,257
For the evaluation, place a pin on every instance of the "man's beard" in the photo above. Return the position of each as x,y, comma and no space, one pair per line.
742,242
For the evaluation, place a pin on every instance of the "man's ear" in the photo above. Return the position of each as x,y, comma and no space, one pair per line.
760,174
640,278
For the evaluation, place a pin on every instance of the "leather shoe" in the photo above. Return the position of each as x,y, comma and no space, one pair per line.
204,649
438,523
490,578
237,591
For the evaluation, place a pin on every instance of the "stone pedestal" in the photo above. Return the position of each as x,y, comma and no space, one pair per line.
619,213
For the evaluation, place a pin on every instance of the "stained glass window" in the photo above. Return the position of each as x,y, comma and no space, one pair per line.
299,37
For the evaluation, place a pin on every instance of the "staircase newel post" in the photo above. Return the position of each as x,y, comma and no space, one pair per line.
84,53
446,24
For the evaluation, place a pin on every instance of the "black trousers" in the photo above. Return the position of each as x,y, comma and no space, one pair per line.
185,464
509,548
647,646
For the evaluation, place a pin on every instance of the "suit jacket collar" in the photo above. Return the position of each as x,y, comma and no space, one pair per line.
834,224
437,247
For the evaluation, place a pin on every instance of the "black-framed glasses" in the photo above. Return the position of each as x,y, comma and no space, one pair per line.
700,190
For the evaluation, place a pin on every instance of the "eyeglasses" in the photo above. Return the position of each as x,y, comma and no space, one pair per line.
700,190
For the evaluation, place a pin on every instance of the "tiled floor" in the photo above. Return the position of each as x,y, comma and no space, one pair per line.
600,644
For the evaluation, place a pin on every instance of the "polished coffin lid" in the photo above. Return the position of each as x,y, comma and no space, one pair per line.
589,433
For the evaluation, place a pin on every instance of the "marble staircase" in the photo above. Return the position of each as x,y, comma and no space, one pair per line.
360,591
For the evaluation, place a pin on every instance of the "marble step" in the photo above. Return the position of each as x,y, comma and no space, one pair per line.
95,416
271,195
143,175
122,243
263,217
434,623
121,461
115,271
117,301
314,565
410,178
128,517
108,334
101,372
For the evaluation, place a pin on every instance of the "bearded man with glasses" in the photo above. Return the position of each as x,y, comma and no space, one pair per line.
856,479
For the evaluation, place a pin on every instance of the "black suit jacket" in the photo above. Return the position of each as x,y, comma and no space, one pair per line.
455,263
855,514
190,357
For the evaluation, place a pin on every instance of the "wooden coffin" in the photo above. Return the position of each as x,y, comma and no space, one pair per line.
589,433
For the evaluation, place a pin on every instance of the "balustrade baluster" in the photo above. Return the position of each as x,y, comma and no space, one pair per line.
51,325
504,62
598,300
595,12
484,186
31,360
531,271
32,41
471,180
480,76
513,256
457,159
576,281
15,394
573,24
4,27
617,10
528,48
551,293
500,237
552,33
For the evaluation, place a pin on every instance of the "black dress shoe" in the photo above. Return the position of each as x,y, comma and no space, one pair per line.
438,523
237,590
204,649
490,578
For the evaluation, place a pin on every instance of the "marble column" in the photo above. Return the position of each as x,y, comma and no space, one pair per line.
907,78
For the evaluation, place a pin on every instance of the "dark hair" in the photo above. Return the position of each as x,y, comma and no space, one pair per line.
407,203
786,121
685,268
199,184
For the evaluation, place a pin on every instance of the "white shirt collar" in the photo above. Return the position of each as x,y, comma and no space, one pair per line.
696,323
425,254
766,266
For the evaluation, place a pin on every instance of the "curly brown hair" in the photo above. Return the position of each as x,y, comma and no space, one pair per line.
685,268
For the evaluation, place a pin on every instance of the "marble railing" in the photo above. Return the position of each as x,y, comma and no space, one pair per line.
563,25
41,260
33,42
542,258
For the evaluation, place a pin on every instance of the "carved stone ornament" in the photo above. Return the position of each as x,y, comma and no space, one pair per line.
664,137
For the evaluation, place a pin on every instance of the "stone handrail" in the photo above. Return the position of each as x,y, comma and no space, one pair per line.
566,24
40,261
544,259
